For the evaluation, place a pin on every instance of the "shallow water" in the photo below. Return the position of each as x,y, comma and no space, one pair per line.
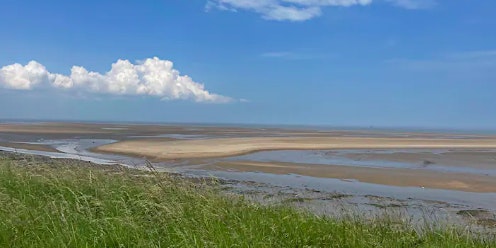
58,155
454,198
339,157
79,149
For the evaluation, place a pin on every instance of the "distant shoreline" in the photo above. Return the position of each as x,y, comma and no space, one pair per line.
307,127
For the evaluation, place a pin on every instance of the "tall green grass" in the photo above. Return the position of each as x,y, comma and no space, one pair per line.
69,204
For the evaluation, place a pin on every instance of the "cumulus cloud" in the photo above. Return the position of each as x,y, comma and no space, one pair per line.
20,77
301,10
153,77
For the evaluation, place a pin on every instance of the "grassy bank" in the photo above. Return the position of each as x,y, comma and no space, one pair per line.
71,204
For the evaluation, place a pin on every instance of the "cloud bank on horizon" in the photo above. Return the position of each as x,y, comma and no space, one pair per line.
152,77
302,10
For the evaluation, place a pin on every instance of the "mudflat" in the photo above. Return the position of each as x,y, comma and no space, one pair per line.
50,128
208,148
476,159
36,147
390,176
462,166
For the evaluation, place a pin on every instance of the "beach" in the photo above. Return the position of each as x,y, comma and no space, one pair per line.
440,171
463,162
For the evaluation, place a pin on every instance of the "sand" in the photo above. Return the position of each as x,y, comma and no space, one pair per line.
389,176
476,159
139,141
211,148
223,147
49,128
36,147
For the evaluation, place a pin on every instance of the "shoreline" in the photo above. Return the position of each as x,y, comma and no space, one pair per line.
324,195
194,152
329,202
104,196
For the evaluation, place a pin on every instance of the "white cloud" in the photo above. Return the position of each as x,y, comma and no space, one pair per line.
301,10
282,13
153,77
283,10
414,4
20,77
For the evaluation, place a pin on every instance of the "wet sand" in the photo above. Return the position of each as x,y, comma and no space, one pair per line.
363,178
36,147
50,128
195,146
479,159
208,148
128,131
389,176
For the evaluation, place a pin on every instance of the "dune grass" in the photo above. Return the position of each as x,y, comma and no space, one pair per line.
70,204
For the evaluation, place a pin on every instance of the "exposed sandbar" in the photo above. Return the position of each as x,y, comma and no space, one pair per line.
236,146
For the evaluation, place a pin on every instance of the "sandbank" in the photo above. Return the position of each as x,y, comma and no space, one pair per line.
208,148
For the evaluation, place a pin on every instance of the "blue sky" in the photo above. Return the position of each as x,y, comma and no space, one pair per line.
392,63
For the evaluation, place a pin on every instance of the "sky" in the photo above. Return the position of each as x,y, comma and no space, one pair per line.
360,63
